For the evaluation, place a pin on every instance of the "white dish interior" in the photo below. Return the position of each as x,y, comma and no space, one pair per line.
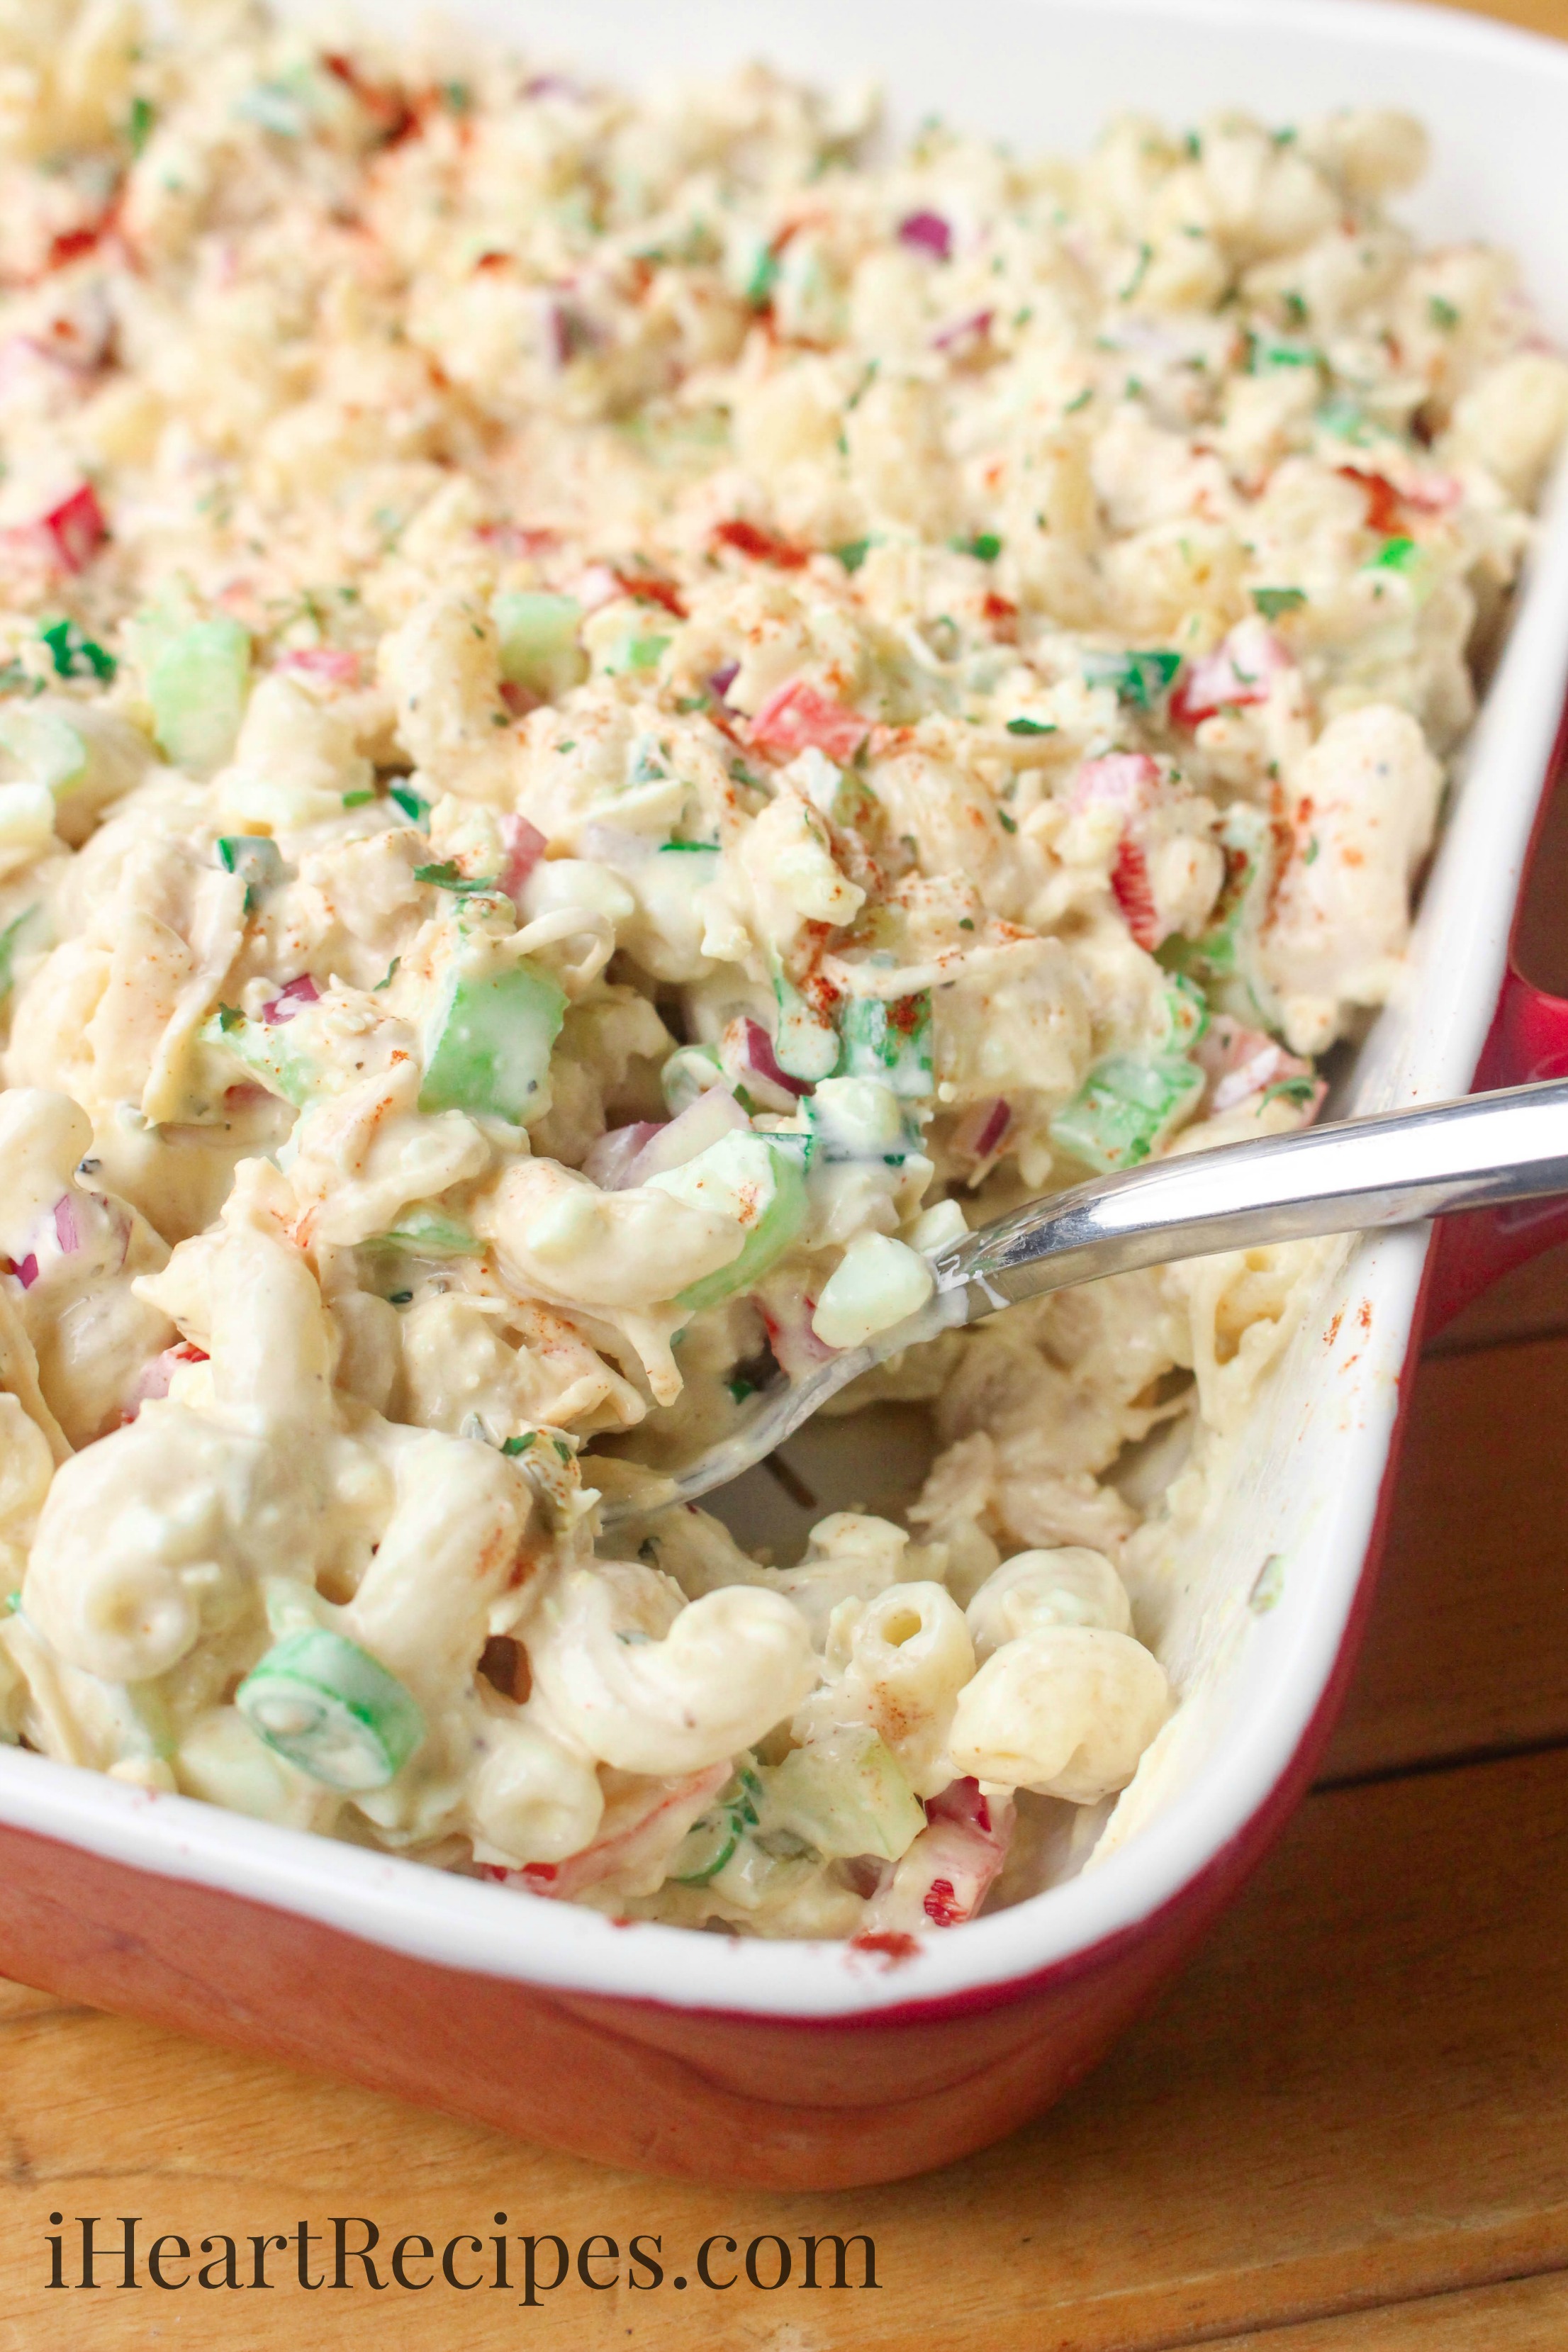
1044,74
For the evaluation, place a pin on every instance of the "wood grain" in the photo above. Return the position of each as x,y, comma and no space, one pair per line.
1525,2316
1355,2095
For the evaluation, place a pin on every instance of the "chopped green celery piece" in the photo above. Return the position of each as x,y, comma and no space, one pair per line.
1225,955
712,1840
415,809
805,1046
10,945
750,1178
330,1709
425,1230
275,1053
538,635
889,1041
489,1040
844,1795
198,684
52,750
690,1071
1139,679
1187,1012
1130,1105
75,654
256,859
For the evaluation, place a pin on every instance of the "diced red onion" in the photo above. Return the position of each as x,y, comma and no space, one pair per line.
615,845
67,1233
597,585
1124,780
524,846
153,1380
927,231
963,331
721,680
979,1133
291,1000
714,1114
26,1270
787,1321
747,1052
798,717
333,663
1240,671
611,1159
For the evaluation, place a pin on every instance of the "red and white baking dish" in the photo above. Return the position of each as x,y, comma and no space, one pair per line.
813,2065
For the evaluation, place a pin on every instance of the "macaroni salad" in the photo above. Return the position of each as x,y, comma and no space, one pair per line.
619,717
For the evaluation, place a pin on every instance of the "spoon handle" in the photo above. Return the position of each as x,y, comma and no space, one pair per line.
1390,1170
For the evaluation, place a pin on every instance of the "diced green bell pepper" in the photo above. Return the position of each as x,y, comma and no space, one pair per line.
198,684
1130,1105
425,1230
11,942
538,635
52,750
333,1709
272,1050
1225,955
755,1180
891,1042
845,1795
489,1042
805,1046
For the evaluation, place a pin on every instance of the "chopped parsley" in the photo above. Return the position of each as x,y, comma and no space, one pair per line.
75,654
415,808
516,1445
1030,727
1442,314
1272,602
853,554
985,544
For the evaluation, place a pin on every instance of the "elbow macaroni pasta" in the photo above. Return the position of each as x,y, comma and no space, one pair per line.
614,719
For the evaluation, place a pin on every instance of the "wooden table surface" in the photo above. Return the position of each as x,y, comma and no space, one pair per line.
1346,2126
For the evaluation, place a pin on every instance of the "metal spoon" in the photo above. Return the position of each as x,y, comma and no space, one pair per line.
1392,1169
